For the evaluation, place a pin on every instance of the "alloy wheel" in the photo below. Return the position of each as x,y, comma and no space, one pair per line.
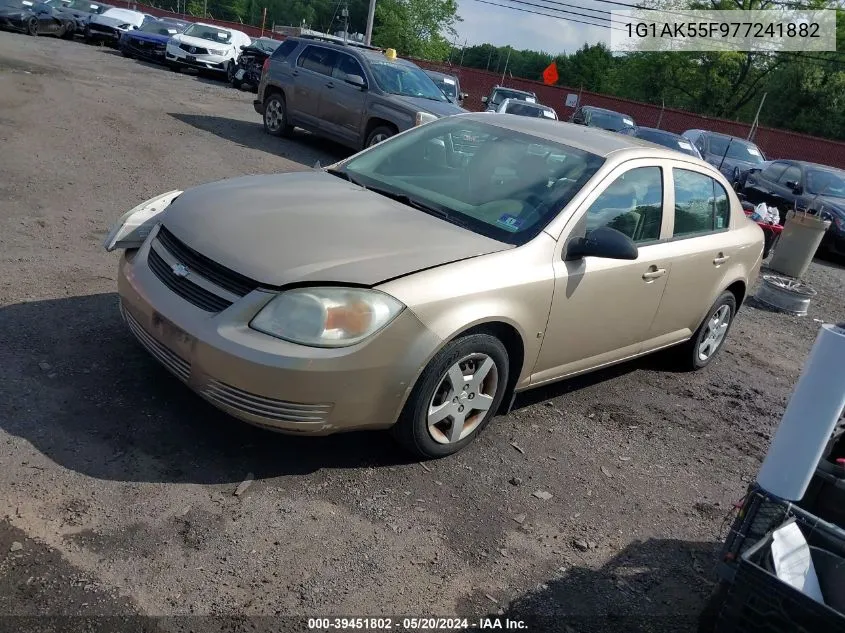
378,138
462,398
714,333
274,115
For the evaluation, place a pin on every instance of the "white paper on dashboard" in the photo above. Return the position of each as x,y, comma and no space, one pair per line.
794,562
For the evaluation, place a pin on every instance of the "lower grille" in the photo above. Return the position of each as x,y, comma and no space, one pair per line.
178,366
189,291
260,406
99,28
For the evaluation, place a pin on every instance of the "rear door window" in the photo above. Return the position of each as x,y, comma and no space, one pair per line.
284,49
702,205
318,60
346,66
773,171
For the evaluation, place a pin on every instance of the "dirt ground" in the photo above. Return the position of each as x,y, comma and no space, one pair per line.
117,484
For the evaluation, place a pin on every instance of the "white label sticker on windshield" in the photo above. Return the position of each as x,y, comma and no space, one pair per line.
753,151
27,3
446,80
684,145
222,36
548,114
530,99
627,121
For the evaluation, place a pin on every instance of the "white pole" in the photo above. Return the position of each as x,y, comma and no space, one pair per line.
810,419
506,65
371,16
756,118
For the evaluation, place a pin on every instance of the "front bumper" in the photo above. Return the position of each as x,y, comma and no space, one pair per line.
176,55
143,48
266,381
106,34
12,24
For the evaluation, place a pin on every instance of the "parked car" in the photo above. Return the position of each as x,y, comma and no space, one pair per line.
81,11
108,26
525,108
729,154
662,137
450,85
793,184
401,288
150,40
604,119
34,18
355,95
206,47
500,93
251,62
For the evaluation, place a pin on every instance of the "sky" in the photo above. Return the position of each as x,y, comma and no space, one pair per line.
497,25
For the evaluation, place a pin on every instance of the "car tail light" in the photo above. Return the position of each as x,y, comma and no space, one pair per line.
265,66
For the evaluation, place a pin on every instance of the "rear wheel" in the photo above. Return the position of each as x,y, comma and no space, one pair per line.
455,397
69,31
276,115
32,27
710,336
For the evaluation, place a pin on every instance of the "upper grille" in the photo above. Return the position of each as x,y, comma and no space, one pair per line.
188,290
102,28
197,50
204,267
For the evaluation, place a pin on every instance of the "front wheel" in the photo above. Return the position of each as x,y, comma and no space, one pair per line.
69,32
32,27
702,348
456,396
236,83
230,72
276,115
379,134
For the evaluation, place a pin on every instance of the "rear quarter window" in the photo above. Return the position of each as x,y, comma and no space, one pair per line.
284,49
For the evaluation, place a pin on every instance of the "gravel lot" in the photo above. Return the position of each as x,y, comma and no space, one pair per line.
118,485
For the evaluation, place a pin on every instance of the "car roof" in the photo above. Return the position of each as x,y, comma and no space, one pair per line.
805,163
517,90
528,104
720,135
600,142
437,73
598,109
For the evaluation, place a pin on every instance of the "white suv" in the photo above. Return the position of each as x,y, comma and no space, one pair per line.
206,47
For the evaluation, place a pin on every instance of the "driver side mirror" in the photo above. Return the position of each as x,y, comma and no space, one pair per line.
357,81
242,47
483,99
464,95
796,187
603,242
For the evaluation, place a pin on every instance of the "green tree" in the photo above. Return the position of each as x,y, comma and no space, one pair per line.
416,28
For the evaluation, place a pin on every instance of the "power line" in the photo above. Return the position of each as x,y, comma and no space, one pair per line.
584,15
548,15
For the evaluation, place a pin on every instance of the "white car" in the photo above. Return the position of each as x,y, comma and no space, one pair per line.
527,108
206,47
108,26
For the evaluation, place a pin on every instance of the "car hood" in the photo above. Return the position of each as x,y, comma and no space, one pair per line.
315,227
834,205
440,108
199,42
14,12
106,20
148,37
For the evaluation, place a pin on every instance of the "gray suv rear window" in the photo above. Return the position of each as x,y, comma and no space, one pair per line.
317,59
284,49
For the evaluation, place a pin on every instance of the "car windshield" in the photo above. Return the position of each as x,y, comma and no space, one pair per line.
208,33
736,149
408,81
610,120
667,139
159,28
523,108
88,7
266,45
448,85
500,95
16,4
489,179
826,182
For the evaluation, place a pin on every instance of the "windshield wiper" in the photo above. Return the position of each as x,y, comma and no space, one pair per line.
436,211
345,175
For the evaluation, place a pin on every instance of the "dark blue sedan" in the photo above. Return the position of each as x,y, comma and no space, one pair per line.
149,41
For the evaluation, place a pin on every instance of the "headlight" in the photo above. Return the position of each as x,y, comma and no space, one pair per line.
135,225
216,51
328,316
424,117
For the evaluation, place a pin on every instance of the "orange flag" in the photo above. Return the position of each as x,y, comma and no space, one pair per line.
550,76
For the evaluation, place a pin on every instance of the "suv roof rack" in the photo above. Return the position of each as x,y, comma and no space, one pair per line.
325,37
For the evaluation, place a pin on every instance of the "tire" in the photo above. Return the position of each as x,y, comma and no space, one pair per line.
379,134
436,390
173,66
32,27
237,83
70,31
276,115
230,72
692,357
125,53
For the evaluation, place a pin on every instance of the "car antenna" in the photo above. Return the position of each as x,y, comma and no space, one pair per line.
725,154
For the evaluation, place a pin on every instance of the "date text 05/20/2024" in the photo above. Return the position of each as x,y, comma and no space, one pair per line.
415,624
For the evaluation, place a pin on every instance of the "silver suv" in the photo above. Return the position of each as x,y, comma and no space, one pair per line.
355,95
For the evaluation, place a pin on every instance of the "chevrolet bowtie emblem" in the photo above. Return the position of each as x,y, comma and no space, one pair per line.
180,270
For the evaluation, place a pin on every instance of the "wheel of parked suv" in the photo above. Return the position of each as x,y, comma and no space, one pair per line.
276,115
230,71
710,336
455,397
32,26
379,134
236,83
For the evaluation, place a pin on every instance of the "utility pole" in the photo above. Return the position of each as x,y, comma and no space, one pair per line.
463,48
371,16
506,65
205,8
489,57
345,14
756,121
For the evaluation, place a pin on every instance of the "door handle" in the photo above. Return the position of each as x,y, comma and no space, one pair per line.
721,259
654,273
329,85
295,73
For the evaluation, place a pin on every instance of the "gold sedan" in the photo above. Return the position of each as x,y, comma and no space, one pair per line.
420,284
